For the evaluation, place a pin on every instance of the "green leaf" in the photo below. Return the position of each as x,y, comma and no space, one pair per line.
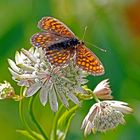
64,122
27,134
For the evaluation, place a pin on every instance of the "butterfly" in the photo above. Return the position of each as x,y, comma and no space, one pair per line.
61,45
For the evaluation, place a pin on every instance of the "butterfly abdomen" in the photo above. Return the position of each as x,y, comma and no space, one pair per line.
69,43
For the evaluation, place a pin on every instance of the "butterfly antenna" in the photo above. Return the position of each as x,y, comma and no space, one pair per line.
103,50
84,33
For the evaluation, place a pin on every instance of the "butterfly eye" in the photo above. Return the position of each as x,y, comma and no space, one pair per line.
82,43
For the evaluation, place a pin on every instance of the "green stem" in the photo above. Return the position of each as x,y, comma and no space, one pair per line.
31,102
55,121
89,95
21,109
96,98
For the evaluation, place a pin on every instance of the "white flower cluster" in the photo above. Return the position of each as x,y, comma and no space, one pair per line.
6,90
104,115
32,70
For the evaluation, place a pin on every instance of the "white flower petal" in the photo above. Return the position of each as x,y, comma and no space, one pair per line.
80,90
27,76
44,92
63,99
116,102
83,81
33,89
26,67
85,121
43,96
90,116
29,55
88,129
73,98
103,90
18,58
15,75
31,50
53,100
23,83
13,65
103,84
38,52
92,112
24,57
121,106
42,75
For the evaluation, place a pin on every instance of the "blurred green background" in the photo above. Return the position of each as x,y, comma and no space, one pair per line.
112,24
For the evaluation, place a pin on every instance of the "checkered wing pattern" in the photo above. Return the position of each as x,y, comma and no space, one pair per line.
88,61
52,25
59,58
45,39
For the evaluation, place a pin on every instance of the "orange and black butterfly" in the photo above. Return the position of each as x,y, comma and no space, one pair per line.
61,45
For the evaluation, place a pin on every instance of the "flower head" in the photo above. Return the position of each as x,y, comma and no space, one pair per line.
102,90
104,116
32,70
6,90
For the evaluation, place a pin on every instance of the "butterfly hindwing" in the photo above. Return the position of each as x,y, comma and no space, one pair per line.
88,61
59,58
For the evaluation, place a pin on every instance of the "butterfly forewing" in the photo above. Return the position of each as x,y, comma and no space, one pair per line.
54,26
45,39
88,61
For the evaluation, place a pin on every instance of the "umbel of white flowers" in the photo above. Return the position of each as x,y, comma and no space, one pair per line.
6,90
104,115
32,70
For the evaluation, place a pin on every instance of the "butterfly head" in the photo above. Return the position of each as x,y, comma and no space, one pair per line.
82,43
